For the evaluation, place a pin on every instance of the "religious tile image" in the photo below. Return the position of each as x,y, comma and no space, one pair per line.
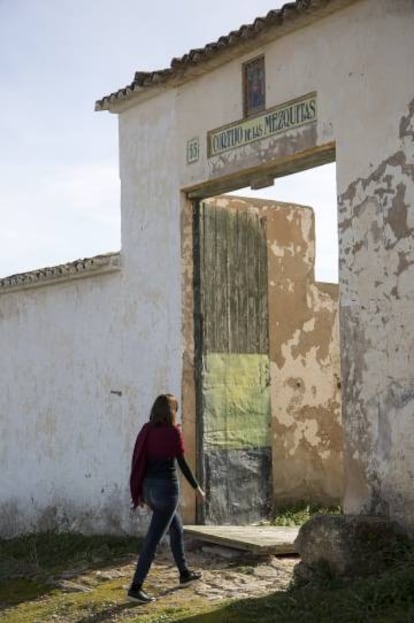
254,86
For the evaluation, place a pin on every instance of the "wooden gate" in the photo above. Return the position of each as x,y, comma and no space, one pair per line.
233,397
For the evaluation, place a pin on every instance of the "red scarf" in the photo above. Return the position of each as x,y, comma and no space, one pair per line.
139,463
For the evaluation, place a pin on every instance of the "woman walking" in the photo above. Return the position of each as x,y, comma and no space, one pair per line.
154,482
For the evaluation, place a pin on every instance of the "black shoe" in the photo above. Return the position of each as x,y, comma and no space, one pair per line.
140,596
189,576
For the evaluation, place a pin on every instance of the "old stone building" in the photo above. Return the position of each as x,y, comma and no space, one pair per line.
314,82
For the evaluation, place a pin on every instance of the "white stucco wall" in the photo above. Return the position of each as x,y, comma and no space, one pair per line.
151,246
66,439
62,431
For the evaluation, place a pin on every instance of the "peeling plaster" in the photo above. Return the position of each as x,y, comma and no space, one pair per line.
377,313
304,345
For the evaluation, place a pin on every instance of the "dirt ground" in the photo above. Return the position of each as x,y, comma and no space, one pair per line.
227,574
99,595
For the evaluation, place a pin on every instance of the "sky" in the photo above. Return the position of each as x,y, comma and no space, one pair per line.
59,184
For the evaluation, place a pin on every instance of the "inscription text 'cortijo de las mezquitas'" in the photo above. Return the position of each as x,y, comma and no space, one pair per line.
274,121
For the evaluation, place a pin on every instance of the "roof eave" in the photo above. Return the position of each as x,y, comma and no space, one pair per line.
200,62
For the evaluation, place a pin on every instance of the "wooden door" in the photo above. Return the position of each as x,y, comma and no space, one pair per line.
233,374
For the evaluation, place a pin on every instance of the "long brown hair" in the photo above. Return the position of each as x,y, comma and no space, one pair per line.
164,410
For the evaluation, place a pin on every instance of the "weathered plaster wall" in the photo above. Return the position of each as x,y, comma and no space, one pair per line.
377,265
304,359
66,440
358,62
152,218
150,200
305,370
65,437
189,502
361,49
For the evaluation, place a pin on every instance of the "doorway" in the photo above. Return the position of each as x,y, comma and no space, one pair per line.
232,353
266,358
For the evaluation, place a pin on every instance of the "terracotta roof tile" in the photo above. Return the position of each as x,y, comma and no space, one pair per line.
275,22
86,267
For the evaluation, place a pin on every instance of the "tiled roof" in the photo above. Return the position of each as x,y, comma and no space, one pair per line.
276,23
89,266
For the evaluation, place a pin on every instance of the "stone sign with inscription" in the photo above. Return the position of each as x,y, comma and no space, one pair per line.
274,121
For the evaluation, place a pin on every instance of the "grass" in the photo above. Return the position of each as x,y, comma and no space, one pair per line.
29,565
32,567
389,599
301,513
50,551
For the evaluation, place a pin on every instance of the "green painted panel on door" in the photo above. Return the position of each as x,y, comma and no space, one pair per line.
236,400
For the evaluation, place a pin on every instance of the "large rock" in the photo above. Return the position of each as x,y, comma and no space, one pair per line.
349,545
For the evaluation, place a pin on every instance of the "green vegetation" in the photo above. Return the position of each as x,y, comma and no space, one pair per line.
301,513
43,553
31,566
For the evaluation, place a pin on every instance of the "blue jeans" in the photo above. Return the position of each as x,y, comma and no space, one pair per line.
162,497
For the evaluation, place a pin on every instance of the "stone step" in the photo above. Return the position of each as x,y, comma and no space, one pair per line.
259,539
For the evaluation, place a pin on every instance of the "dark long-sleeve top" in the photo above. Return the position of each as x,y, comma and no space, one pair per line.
164,447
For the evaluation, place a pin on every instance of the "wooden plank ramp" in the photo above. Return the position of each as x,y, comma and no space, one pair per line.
276,540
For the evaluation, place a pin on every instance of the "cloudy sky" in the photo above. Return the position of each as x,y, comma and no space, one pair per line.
59,186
